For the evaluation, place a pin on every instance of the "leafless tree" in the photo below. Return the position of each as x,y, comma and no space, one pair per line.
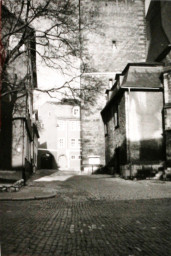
56,29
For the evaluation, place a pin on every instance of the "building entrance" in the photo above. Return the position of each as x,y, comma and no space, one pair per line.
46,161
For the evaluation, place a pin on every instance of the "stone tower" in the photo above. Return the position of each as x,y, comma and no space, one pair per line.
118,38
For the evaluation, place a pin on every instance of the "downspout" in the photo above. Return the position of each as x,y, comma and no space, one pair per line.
166,101
80,105
128,131
23,158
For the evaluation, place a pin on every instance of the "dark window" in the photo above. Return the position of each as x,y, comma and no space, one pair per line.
116,118
106,129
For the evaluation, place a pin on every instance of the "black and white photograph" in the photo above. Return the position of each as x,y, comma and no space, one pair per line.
85,127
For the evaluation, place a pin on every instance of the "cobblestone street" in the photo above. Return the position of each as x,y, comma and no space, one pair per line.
90,215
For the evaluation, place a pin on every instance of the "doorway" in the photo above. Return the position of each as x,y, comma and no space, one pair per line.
62,161
46,161
117,160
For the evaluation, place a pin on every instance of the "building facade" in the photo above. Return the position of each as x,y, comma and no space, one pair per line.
60,136
159,49
118,37
133,119
137,113
19,134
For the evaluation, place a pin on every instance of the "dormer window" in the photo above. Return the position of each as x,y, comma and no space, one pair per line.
114,46
76,111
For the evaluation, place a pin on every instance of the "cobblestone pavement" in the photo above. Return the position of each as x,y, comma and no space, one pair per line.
95,215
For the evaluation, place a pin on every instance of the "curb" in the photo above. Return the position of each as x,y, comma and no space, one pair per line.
29,198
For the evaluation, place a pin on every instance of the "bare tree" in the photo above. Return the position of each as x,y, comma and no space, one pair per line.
55,28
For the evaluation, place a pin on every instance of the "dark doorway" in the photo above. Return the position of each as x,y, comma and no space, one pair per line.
46,161
117,160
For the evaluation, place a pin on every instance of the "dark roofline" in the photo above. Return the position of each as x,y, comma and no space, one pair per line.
36,130
141,64
65,101
164,53
135,64
154,4
120,89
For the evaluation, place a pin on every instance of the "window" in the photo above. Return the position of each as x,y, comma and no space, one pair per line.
106,129
61,143
75,157
73,143
76,111
61,125
74,125
114,46
116,118
42,125
79,142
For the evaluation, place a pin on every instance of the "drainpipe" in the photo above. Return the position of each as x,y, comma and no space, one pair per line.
165,116
128,131
23,158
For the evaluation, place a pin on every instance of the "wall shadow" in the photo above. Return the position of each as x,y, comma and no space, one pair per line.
6,136
144,154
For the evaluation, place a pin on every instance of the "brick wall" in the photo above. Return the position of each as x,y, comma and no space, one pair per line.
116,137
92,128
118,38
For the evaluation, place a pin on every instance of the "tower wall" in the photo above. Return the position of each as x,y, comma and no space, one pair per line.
118,37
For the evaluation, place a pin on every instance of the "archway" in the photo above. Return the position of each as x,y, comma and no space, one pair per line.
46,161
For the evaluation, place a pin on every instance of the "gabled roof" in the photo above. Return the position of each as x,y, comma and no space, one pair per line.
135,76
142,76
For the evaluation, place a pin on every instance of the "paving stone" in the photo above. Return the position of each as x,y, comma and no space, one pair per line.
93,215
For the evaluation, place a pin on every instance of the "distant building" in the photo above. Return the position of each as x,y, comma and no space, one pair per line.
60,136
19,134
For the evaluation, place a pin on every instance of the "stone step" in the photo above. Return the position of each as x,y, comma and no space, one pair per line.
8,175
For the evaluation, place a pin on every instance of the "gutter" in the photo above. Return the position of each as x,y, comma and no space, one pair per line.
129,89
